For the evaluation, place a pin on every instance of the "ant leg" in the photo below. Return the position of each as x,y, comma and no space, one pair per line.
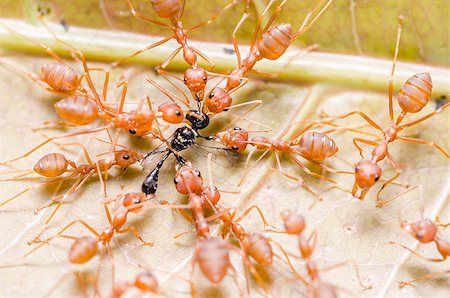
398,171
418,255
234,41
301,182
423,142
438,111
154,45
60,234
391,77
423,277
31,188
249,169
55,138
355,267
140,16
206,58
364,141
24,174
289,263
105,82
124,85
83,147
212,18
444,226
309,172
171,57
261,215
304,28
134,230
167,93
363,115
165,74
260,19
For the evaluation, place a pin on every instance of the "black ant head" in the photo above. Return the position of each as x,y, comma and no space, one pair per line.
197,119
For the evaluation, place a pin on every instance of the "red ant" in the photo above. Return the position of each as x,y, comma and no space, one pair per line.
272,43
425,231
412,98
313,146
85,248
294,224
56,164
83,106
195,78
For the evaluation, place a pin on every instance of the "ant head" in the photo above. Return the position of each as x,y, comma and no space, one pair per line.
139,122
235,139
423,230
126,157
294,223
171,112
211,196
146,282
197,119
367,173
195,79
166,9
188,180
133,201
83,249
218,100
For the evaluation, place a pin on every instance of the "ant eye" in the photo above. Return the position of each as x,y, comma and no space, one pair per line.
235,148
136,201
126,157
204,79
237,128
198,173
132,131
178,113
377,178
211,95
185,81
175,180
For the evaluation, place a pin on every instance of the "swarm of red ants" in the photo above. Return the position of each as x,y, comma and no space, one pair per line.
177,126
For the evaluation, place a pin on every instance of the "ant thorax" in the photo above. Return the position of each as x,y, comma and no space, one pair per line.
183,138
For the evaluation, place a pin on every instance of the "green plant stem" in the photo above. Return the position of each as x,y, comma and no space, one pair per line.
108,46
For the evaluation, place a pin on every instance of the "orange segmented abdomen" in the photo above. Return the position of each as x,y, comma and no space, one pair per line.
275,42
166,8
61,77
82,250
213,259
316,146
51,165
415,93
259,248
77,109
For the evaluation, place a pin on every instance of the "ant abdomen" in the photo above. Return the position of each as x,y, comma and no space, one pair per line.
51,165
166,8
77,109
146,282
415,93
275,42
61,77
213,259
259,248
316,146
83,249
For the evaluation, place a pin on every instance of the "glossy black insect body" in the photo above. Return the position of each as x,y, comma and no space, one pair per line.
183,138
197,119
150,184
